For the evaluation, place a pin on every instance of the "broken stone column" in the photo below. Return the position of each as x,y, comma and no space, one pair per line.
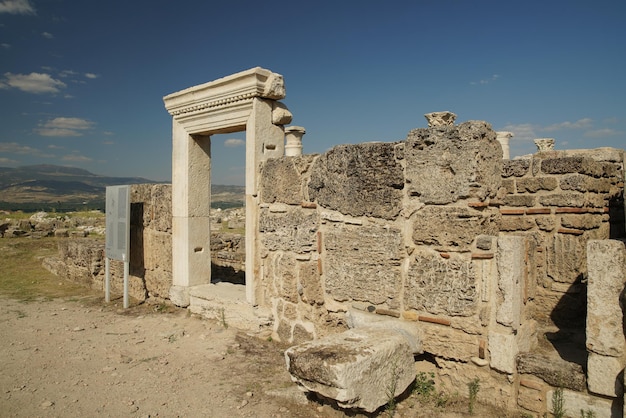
359,368
503,138
605,333
293,140
437,119
544,144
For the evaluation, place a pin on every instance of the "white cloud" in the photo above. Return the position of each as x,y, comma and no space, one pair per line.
47,35
36,83
91,75
15,148
4,160
486,80
522,131
234,142
5,46
67,73
579,124
76,158
16,7
601,133
54,147
64,127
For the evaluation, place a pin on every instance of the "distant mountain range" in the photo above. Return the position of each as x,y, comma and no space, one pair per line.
37,184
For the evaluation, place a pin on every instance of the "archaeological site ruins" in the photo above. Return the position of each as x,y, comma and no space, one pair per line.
373,260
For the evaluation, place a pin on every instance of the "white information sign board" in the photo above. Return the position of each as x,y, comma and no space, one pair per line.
117,234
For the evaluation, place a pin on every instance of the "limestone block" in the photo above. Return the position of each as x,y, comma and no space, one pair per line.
440,119
519,200
450,163
583,221
449,343
294,230
511,274
575,402
453,228
566,258
534,184
583,183
282,179
158,283
280,114
566,165
546,223
516,223
157,250
606,278
311,283
160,211
441,286
503,351
363,263
284,278
552,370
576,200
359,180
531,395
410,330
515,168
356,368
509,186
604,375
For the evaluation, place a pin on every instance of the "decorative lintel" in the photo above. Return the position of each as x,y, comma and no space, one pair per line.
224,92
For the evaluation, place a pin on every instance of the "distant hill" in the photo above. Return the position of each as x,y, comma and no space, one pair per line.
58,187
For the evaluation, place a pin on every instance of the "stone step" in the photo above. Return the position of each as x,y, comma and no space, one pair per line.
226,303
359,368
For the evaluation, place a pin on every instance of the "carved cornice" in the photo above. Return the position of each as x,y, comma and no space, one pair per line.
233,90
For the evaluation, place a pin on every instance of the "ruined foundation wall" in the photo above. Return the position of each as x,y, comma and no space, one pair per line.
560,200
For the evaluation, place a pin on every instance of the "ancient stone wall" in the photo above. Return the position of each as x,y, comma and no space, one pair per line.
480,254
560,200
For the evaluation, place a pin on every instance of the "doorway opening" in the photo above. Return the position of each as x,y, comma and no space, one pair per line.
227,213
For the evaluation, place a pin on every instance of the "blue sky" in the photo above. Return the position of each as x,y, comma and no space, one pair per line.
82,81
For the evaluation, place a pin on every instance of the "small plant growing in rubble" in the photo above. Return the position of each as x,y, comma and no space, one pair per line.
223,318
587,414
474,387
391,389
558,403
424,384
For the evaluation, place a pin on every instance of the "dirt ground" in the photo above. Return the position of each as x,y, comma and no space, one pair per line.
64,352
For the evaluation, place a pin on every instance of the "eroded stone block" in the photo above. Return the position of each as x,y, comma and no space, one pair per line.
441,286
359,180
453,228
295,230
566,258
282,179
606,278
363,263
503,350
449,163
515,168
552,370
511,268
356,368
604,375
446,342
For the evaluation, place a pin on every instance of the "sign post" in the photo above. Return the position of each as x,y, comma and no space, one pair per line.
117,235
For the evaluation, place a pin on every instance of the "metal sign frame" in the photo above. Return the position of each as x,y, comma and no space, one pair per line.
117,235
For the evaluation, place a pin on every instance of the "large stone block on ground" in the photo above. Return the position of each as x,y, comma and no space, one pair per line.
606,277
363,263
357,368
441,286
552,370
576,401
453,228
410,330
282,179
359,180
293,230
446,164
